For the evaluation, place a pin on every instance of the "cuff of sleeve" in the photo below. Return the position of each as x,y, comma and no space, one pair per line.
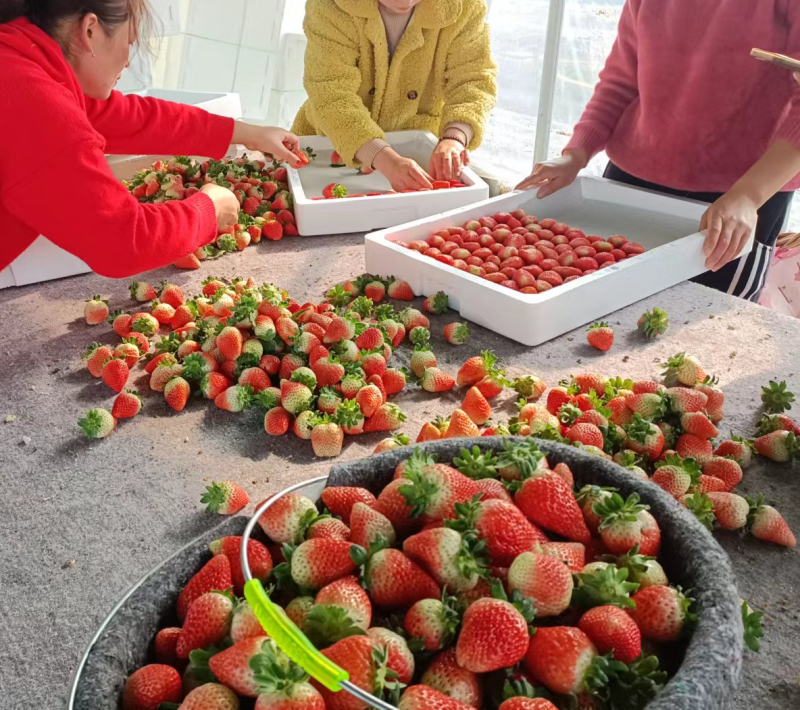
589,139
204,207
789,130
465,128
367,152
220,135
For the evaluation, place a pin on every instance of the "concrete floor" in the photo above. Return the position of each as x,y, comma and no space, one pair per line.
80,521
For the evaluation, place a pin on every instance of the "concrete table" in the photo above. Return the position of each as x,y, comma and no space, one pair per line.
81,521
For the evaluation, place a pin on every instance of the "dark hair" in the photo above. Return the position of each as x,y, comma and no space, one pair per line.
49,14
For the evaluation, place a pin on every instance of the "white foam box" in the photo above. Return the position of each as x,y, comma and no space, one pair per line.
362,214
665,226
43,260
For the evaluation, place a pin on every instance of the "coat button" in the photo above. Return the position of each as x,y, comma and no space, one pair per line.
412,95
372,91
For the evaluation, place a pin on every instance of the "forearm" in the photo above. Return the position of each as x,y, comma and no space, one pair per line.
771,173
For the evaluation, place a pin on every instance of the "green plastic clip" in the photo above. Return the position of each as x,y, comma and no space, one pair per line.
291,640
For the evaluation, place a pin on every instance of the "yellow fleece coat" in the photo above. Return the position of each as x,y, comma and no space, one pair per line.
442,72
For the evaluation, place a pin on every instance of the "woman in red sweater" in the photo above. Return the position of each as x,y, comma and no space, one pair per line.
59,117
682,108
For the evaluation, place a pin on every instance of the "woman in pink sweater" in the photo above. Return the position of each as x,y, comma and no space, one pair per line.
682,108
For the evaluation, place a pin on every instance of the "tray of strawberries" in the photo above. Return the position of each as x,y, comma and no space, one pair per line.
495,572
534,269
331,198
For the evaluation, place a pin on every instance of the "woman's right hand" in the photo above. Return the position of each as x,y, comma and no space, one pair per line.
402,173
226,205
551,175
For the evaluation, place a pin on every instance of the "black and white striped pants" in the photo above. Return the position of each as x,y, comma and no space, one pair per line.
744,277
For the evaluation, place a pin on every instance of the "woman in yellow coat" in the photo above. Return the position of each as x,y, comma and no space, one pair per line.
374,66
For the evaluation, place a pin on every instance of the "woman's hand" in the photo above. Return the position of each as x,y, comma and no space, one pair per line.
551,175
226,205
730,222
402,173
448,160
277,142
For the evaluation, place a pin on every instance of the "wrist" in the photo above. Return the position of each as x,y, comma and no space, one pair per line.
242,134
754,194
384,159
578,155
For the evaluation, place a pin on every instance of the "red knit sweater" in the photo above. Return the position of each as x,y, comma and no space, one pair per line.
54,177
682,103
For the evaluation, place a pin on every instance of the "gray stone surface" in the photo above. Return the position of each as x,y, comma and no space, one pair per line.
80,522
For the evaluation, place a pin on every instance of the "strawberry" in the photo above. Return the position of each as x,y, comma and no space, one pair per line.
421,359
600,336
445,675
210,696
779,445
675,475
368,526
456,333
494,633
653,323
238,667
730,510
776,422
453,561
690,446
141,341
141,291
698,424
476,407
171,294
399,657
339,500
460,425
612,630
176,393
208,621
586,434
432,490
151,685
725,469
224,498
298,609
257,556
386,418
126,405
394,381
400,290
294,696
213,384
97,423
95,311
190,261
121,322
644,437
740,449
422,697
572,554
433,622
436,304
255,378
162,312
128,350
334,191
347,594
685,401
375,290
164,645
766,523
331,528
522,703
286,520
295,397
475,369
373,364
115,373
650,405
548,501
707,484
776,398
304,424
544,579
626,523
394,581
327,437
370,339
320,561
661,612
391,443
328,370
366,670
683,369
234,399
229,342
412,318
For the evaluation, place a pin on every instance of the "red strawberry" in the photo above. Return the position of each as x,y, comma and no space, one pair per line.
394,581
730,510
436,304
626,523
661,612
375,291
399,657
188,262
141,291
211,696
644,437
778,445
522,703
258,557
475,369
286,520
766,523
461,425
400,290
356,655
544,579
96,357
683,369
234,667
225,498
612,630
456,333
394,381
214,384
448,558
121,323
150,686
432,490
339,500
421,360
215,575
386,418
690,446
229,342
707,484
334,191
676,476
176,393
126,405
368,526
327,438
698,424
494,635
115,374
171,294
433,622
369,398
445,675
347,594
600,336
332,528
207,622
320,561
585,433
572,554
95,311
548,501
725,469
164,645
493,489
561,658
422,697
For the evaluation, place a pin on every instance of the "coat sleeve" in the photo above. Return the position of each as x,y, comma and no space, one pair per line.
93,216
616,89
471,76
332,79
140,125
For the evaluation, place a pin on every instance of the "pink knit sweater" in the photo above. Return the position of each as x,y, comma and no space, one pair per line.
682,103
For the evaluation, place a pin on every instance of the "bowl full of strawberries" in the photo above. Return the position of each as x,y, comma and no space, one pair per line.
495,572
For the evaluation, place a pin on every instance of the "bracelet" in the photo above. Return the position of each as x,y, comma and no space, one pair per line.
454,138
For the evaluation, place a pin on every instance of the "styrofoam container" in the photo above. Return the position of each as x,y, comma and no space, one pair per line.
361,214
665,226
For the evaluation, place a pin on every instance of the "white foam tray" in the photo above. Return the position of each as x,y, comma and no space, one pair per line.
665,226
317,217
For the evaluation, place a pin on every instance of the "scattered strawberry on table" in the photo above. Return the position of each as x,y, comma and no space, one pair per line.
337,191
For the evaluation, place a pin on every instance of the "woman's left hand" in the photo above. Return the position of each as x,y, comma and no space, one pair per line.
730,222
277,142
448,160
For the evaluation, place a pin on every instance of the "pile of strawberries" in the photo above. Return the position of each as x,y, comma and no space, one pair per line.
523,253
261,188
480,582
